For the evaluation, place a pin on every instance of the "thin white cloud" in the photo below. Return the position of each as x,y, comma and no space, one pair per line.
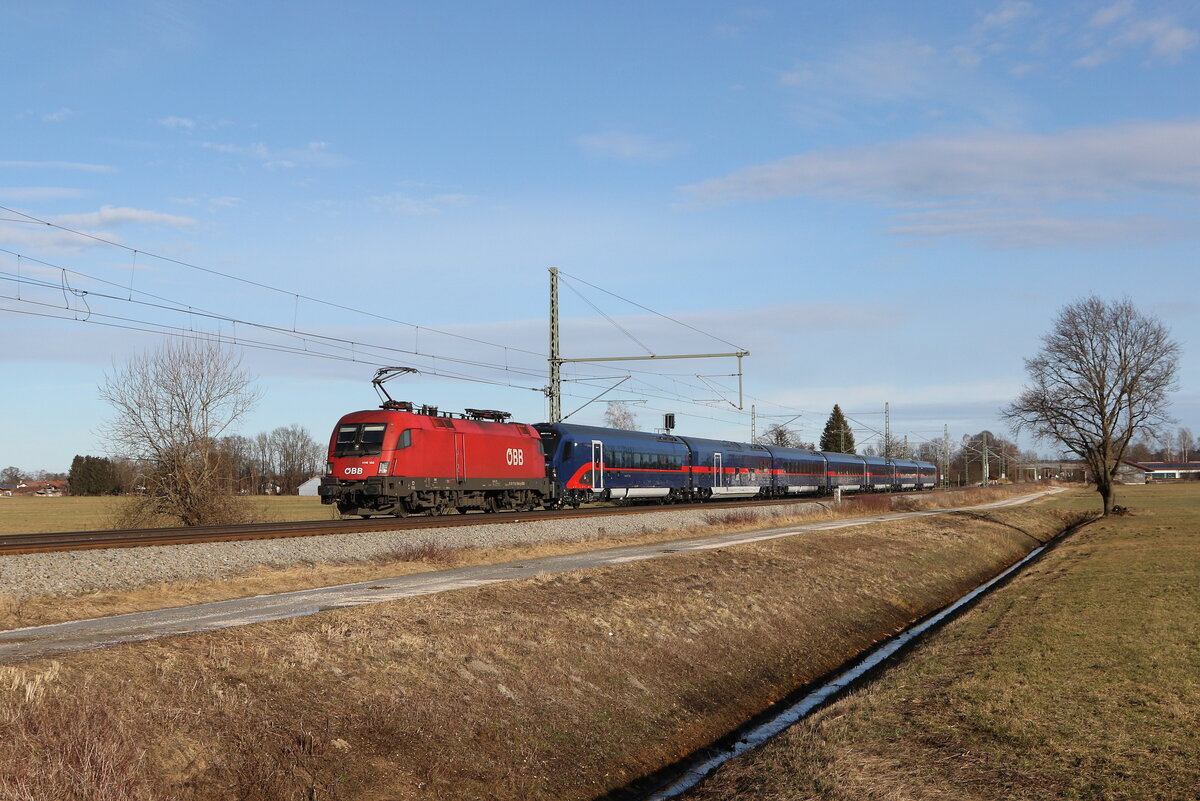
178,123
627,146
25,193
314,154
61,115
399,203
1110,14
998,188
1165,38
1083,163
111,216
1001,228
215,202
1007,13
58,165
891,79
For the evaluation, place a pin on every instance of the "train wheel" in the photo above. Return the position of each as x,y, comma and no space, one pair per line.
462,510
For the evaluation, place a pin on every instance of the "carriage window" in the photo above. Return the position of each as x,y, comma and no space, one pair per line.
405,439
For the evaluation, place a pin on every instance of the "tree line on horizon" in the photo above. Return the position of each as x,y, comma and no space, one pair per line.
270,463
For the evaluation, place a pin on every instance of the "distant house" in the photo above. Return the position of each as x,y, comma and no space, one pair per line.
1131,473
1170,471
50,489
309,487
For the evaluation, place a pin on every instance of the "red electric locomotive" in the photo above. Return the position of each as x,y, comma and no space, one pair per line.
397,460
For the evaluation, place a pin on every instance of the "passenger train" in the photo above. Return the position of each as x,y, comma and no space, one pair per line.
401,459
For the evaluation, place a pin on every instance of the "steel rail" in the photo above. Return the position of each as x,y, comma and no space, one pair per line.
13,544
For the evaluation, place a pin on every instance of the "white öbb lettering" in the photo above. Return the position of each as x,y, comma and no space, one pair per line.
515,456
353,471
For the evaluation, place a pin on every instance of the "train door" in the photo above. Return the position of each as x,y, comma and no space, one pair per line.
597,464
718,471
460,457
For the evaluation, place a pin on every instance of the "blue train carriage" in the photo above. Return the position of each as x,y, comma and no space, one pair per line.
589,463
724,469
846,470
927,475
797,472
880,475
907,475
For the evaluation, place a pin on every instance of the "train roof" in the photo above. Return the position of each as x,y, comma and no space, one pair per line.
596,432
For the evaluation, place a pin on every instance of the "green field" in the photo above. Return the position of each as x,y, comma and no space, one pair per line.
32,514
1080,679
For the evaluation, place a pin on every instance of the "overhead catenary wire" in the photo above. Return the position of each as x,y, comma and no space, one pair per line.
286,292
174,305
356,348
648,309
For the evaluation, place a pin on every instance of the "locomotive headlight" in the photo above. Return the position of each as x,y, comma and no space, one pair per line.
384,467
329,468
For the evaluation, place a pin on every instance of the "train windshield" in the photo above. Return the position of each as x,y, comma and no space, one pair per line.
359,439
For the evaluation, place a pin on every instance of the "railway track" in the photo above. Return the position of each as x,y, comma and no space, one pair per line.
134,538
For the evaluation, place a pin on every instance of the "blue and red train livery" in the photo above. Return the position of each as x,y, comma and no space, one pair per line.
398,460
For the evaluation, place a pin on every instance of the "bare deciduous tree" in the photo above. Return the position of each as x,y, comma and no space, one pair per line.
778,434
297,457
619,415
171,407
1102,376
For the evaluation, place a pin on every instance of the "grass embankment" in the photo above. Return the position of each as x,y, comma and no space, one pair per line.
1080,679
423,555
32,514
557,688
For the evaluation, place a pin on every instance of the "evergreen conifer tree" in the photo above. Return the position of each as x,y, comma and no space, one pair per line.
837,437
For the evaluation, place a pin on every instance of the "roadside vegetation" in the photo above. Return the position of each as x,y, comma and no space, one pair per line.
1080,679
562,687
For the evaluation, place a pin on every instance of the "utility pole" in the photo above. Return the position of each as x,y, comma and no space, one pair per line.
554,391
753,427
946,455
887,431
985,460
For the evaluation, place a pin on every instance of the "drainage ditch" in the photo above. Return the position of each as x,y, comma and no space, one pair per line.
676,779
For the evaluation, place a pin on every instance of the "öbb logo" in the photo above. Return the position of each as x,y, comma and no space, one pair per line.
515,457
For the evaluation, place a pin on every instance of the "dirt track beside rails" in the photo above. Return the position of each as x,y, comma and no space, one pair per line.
557,687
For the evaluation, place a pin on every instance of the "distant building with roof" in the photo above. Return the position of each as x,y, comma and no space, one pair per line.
1170,471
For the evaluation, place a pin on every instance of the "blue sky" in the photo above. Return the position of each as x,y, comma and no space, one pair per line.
884,203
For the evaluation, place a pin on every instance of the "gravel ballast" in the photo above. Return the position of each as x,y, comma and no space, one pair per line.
80,572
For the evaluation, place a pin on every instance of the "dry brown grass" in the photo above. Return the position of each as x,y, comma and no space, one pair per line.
1077,680
561,687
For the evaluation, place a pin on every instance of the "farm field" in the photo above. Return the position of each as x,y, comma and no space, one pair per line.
565,686
1080,679
33,515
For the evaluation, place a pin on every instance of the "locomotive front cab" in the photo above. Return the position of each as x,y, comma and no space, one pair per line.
362,461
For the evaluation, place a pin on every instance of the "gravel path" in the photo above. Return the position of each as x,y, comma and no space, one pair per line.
80,572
